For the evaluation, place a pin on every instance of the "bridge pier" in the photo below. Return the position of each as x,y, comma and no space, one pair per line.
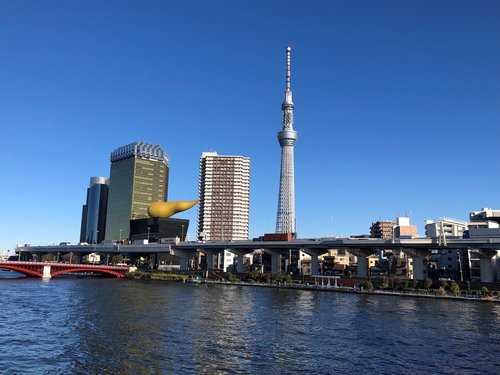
185,256
362,255
275,260
314,254
240,260
46,273
418,256
209,255
486,264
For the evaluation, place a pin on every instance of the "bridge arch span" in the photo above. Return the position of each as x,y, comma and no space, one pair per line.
24,271
94,270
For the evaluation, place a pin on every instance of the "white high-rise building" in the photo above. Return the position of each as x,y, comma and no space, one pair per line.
224,190
445,227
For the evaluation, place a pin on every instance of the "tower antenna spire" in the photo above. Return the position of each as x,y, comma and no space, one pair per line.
288,52
288,91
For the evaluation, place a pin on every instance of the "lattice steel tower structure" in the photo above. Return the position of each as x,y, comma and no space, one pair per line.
285,222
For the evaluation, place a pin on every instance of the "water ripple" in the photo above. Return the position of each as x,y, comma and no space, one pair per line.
106,326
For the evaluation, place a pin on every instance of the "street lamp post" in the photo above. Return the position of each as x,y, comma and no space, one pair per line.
121,235
182,233
58,253
149,228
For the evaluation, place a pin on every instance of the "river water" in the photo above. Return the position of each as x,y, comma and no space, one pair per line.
111,326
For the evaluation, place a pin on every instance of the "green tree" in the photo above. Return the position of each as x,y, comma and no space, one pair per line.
49,258
428,283
405,284
444,284
368,286
68,258
454,288
117,259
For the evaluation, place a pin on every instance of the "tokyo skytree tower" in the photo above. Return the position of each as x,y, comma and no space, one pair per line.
285,222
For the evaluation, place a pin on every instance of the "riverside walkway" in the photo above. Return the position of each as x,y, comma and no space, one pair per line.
360,290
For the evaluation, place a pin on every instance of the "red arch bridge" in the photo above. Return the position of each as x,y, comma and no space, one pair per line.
47,270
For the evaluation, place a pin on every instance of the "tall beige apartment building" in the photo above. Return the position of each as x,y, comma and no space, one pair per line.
382,229
224,191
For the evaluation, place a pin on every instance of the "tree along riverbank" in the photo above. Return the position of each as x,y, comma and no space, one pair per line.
419,293
160,276
366,287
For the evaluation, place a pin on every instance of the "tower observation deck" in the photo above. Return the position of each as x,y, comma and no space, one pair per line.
285,222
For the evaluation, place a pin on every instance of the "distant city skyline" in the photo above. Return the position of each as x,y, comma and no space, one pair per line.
397,104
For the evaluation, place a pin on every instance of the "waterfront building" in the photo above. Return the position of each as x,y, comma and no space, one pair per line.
159,229
224,191
223,210
394,263
93,226
382,229
472,265
453,264
403,229
445,227
291,262
485,214
305,267
334,264
285,222
464,265
139,176
484,223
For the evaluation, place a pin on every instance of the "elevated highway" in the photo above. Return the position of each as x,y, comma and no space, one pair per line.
417,249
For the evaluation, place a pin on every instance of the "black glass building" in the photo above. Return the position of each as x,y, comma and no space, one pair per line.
93,228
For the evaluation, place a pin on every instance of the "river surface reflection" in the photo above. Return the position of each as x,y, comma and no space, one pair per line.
109,326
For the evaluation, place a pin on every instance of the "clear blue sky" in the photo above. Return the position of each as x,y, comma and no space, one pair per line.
397,105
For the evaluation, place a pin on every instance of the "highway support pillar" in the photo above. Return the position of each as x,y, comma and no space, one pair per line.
362,255
210,254
184,257
275,260
418,256
486,264
241,257
314,254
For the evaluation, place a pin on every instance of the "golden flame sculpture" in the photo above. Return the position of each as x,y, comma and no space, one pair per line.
167,209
